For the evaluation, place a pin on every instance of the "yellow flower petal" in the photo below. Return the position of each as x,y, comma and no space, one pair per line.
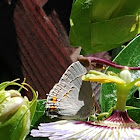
103,78
96,72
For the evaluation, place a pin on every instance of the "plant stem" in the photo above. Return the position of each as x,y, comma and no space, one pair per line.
122,93
110,63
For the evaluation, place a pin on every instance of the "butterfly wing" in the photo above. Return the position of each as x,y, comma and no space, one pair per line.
74,71
71,98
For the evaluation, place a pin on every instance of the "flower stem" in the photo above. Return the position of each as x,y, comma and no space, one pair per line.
122,93
121,103
110,63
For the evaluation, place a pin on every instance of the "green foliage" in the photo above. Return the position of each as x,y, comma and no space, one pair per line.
40,110
39,116
99,25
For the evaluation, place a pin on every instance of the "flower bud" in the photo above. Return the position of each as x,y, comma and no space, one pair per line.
125,75
16,112
10,104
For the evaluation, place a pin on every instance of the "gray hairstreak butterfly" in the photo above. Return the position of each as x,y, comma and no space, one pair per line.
71,98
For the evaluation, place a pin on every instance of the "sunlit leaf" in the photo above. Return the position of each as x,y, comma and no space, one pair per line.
98,25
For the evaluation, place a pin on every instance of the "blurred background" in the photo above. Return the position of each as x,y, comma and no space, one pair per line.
34,42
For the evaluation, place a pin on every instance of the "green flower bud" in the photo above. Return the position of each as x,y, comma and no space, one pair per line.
99,25
16,112
125,75
10,103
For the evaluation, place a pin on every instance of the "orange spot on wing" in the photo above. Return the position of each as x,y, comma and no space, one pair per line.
54,99
52,108
66,94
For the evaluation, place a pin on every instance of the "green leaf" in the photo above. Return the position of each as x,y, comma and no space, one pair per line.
40,110
129,56
80,32
133,101
39,116
135,115
98,25
127,7
113,33
104,10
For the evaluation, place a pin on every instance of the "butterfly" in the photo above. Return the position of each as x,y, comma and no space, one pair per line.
71,98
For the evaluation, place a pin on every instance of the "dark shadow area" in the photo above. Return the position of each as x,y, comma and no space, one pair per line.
10,64
63,9
136,94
